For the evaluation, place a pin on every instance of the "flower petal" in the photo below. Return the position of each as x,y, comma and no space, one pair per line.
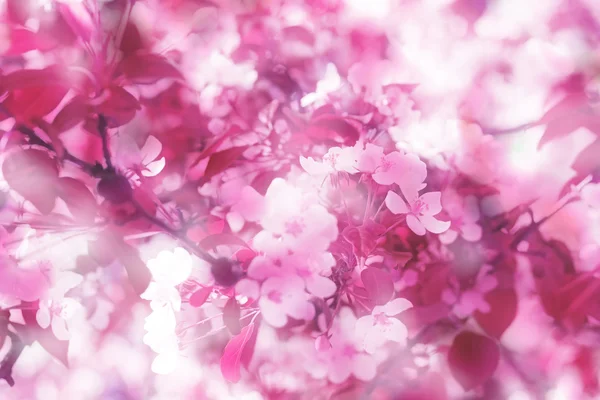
415,225
395,203
434,225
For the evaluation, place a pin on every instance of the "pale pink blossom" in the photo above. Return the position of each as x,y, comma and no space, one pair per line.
420,212
168,269
464,214
142,160
400,168
468,301
55,309
343,358
285,297
380,326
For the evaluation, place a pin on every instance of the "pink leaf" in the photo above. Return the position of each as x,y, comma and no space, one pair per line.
148,68
231,316
222,160
473,359
199,297
378,284
230,361
80,201
503,310
32,174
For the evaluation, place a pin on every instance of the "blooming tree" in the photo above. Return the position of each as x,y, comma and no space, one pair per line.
285,199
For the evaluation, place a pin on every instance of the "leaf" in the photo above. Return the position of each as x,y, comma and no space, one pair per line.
148,68
23,40
222,160
199,297
588,160
34,175
473,359
572,112
118,106
79,199
71,114
231,316
221,239
379,284
503,310
138,273
231,358
34,101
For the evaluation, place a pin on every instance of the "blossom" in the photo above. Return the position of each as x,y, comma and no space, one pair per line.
420,212
337,159
464,214
283,297
376,329
302,222
344,358
397,167
142,160
169,269
55,309
472,299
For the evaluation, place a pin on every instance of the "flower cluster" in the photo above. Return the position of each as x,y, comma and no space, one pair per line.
299,199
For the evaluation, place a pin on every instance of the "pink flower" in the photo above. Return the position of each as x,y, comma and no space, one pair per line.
397,167
142,160
472,299
336,159
283,297
302,223
419,211
57,310
464,213
380,326
344,358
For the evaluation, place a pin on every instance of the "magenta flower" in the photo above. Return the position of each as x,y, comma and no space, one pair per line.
464,214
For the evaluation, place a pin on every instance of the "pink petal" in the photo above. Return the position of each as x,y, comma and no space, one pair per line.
364,367
471,232
396,306
395,203
434,225
59,328
151,149
272,313
396,331
43,317
415,225
320,286
448,237
154,168
434,201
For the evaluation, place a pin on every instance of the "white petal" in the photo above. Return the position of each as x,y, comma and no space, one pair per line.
43,316
154,168
59,328
151,149
165,363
